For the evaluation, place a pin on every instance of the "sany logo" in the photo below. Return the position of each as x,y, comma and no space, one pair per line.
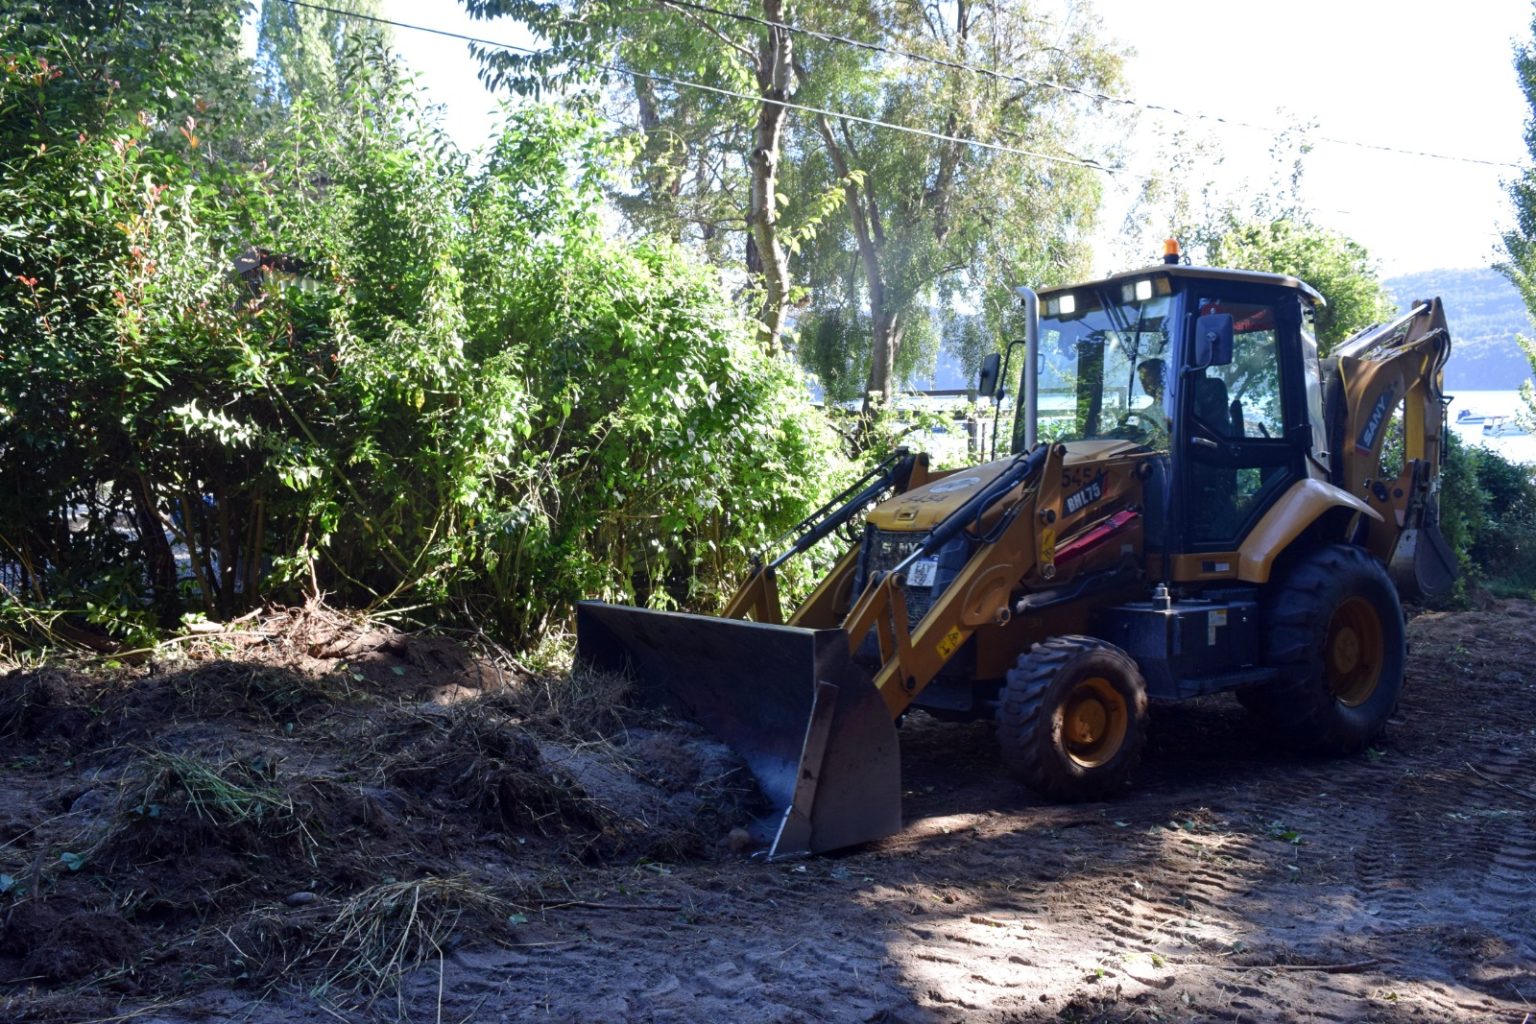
953,484
1367,439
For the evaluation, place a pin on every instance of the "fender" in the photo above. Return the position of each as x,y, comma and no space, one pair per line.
1297,509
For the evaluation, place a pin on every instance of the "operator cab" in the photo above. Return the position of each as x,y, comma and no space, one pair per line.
1215,369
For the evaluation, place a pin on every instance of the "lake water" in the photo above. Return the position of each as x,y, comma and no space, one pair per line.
1492,403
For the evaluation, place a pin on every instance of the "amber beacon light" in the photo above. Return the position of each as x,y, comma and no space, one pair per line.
1171,252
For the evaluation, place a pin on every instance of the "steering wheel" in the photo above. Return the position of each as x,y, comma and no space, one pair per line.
1144,426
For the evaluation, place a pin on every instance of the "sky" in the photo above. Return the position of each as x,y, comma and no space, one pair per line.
1413,75
1427,77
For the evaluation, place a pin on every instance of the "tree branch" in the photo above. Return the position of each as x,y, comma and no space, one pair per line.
745,51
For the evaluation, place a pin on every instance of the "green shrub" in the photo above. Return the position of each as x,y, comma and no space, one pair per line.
1488,516
448,387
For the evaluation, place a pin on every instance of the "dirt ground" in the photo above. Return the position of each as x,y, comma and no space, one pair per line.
319,822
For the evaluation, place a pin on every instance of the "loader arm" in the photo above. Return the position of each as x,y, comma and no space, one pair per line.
758,596
979,595
1023,509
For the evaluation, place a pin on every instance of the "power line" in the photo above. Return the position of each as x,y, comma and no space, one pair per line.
922,132
1097,97
686,84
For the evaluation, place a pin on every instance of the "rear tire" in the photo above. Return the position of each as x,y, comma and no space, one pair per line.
1334,629
1072,718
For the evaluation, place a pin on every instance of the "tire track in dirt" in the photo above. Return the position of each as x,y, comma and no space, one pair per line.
1387,848
1512,874
1236,884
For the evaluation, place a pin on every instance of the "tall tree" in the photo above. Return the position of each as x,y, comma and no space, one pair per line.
1334,264
712,160
301,50
890,223
932,217
1519,243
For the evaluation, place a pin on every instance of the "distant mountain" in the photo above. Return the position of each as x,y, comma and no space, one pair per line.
1485,313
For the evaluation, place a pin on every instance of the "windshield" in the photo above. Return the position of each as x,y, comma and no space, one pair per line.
1104,364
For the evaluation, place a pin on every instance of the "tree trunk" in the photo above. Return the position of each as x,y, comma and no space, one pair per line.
662,162
886,326
774,76
160,561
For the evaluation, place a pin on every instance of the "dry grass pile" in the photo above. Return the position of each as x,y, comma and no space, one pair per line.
639,792
262,692
354,952
44,706
583,704
474,757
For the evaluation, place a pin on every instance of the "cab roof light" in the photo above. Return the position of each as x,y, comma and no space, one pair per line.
1171,253
1141,291
1061,305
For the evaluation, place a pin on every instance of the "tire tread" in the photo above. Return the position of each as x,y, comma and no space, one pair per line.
1298,705
1024,701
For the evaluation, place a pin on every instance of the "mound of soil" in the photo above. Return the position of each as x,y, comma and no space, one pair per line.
258,811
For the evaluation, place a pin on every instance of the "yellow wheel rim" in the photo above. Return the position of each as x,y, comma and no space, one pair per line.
1094,722
1352,653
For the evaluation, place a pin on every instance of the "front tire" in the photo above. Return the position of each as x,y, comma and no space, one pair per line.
1072,718
1335,631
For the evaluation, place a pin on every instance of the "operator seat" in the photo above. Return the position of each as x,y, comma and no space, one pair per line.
1211,407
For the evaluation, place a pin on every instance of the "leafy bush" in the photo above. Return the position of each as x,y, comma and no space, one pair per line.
660,446
1488,516
429,383
120,318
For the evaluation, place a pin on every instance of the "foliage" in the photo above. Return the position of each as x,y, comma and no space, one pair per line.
878,227
346,415
710,165
1488,516
1519,243
304,52
660,448
75,67
930,222
1334,264
1503,541
1267,228
691,181
119,316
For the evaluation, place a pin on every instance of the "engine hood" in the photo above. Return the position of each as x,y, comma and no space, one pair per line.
923,508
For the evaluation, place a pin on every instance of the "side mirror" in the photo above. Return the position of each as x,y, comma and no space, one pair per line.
986,384
1213,341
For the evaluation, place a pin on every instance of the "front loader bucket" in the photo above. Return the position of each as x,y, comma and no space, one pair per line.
807,719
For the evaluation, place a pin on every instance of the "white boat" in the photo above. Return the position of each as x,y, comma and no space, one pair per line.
1468,416
1503,426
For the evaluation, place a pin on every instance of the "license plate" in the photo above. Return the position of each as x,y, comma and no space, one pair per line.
922,573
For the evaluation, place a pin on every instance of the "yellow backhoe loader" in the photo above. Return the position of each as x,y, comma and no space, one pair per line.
1195,503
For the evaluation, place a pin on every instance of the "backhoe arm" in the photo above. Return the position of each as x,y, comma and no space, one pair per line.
1398,365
